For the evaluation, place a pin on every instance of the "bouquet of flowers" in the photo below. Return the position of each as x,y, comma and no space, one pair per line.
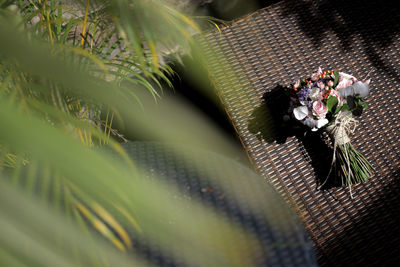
328,100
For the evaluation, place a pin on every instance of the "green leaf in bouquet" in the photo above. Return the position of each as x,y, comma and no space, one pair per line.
332,103
342,108
358,106
358,101
351,102
345,107
335,82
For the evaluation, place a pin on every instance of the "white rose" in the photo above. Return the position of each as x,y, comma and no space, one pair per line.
314,95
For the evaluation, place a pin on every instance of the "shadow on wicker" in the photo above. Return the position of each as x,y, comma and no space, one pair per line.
370,225
268,124
376,22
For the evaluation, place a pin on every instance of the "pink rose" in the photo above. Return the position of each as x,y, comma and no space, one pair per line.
321,85
344,83
337,95
319,109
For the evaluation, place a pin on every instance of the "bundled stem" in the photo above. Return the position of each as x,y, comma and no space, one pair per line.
354,167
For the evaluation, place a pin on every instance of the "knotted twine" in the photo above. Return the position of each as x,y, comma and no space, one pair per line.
339,132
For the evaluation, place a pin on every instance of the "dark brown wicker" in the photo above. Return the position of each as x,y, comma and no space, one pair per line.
289,40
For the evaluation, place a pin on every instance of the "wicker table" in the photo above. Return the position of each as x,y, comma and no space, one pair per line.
290,39
281,236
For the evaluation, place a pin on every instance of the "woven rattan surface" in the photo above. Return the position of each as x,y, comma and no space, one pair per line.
195,178
289,40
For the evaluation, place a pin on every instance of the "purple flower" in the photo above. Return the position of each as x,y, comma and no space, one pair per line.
303,95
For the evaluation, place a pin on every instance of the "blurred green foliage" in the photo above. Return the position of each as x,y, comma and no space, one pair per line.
68,71
64,67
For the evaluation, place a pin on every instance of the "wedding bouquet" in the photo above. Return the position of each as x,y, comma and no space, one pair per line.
328,100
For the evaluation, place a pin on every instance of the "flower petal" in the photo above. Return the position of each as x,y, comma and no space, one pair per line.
314,95
322,122
310,123
300,112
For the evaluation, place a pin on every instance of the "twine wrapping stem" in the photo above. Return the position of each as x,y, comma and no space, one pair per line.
339,132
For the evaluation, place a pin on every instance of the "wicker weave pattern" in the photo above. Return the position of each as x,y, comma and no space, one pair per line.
271,47
282,239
